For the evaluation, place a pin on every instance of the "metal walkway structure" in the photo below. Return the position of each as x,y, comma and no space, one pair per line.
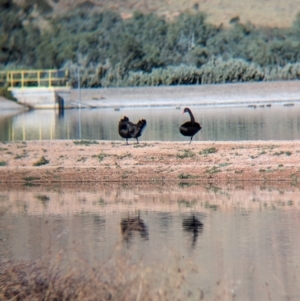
34,78
38,89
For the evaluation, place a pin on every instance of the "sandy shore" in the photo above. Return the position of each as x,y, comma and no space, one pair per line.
32,162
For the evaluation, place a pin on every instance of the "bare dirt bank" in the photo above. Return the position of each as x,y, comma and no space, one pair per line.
32,162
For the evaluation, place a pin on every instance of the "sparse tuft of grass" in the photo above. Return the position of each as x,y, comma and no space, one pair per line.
101,156
24,155
213,170
3,163
140,145
186,153
287,153
30,179
82,159
85,142
185,176
41,161
126,155
224,164
208,151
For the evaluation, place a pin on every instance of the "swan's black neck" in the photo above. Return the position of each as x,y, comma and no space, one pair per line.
191,115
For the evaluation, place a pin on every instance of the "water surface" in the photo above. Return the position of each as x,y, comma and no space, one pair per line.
245,240
277,122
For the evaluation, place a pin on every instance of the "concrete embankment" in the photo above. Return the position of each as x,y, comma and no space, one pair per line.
202,95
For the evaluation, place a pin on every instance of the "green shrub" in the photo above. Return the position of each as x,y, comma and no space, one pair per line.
7,94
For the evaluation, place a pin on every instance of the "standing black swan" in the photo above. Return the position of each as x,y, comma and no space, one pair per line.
189,128
129,130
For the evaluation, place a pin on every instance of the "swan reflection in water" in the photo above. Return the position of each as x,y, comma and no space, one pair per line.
131,225
193,226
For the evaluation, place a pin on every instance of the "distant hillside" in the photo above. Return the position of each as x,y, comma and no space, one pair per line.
111,49
269,13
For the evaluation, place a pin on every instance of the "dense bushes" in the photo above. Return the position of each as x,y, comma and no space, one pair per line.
145,49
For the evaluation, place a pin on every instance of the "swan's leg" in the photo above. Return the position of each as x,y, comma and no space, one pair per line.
127,141
137,140
191,140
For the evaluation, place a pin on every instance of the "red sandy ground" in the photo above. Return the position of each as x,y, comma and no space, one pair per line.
114,161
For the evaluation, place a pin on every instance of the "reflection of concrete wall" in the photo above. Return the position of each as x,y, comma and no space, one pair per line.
42,98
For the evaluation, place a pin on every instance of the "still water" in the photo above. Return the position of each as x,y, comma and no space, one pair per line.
241,241
277,122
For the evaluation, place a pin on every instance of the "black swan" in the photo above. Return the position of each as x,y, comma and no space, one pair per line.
189,128
129,130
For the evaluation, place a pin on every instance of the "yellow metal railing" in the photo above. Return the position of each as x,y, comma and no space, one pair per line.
34,78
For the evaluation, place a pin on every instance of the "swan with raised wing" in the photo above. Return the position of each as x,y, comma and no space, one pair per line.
128,130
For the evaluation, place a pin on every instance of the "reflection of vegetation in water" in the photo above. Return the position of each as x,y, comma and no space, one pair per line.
58,278
211,206
101,202
44,199
187,203
30,179
187,184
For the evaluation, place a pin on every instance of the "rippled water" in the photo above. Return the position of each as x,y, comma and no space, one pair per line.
240,239
277,122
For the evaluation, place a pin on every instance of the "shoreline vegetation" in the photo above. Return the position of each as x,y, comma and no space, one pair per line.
102,49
